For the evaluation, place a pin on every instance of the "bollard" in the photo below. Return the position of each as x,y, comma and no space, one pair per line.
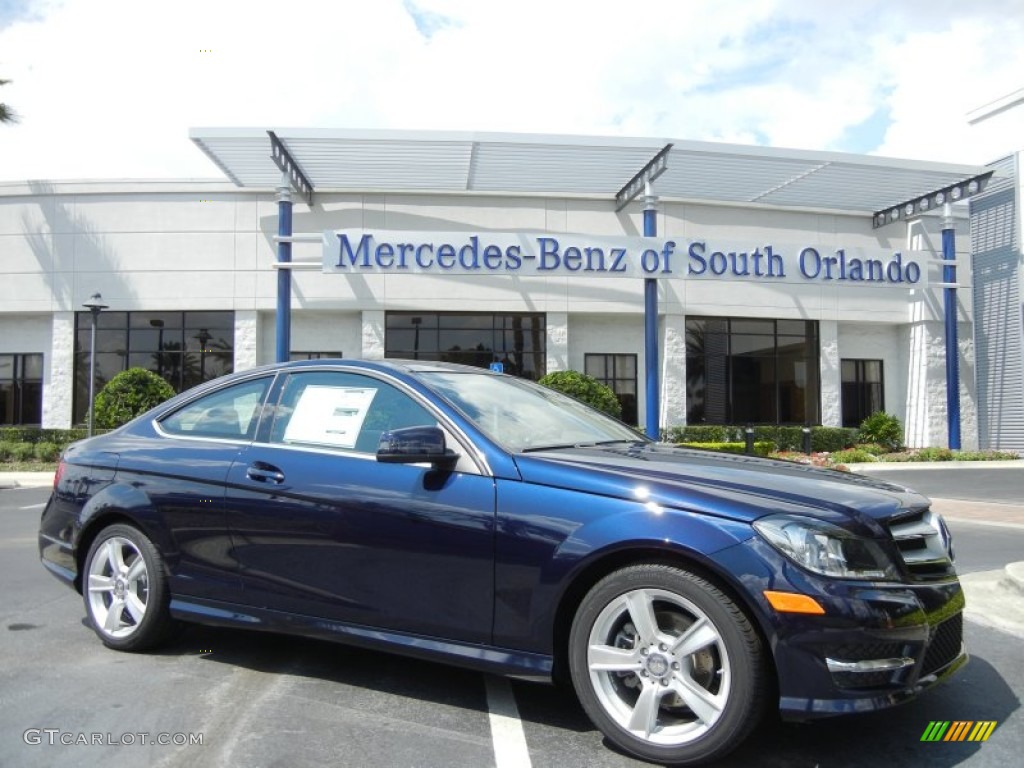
807,440
749,433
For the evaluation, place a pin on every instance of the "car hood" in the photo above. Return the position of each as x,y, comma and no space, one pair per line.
725,485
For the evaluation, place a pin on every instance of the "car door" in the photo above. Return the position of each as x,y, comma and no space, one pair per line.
323,529
181,471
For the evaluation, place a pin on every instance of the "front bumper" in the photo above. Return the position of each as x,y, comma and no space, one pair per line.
877,645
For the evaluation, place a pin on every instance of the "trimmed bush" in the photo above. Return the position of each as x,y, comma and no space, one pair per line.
760,449
23,452
129,394
882,428
46,451
584,388
701,433
986,456
852,455
6,450
935,454
873,448
829,439
825,439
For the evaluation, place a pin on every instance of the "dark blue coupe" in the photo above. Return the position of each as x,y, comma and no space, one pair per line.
463,516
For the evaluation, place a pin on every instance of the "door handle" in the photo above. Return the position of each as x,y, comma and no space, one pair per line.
264,473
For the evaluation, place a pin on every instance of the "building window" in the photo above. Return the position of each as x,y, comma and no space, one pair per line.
751,371
185,348
518,340
863,386
21,389
312,355
619,373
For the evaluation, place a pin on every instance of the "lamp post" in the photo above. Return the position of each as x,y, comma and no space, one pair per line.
416,337
159,325
203,337
95,305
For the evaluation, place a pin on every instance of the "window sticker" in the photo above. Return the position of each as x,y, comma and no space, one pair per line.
328,415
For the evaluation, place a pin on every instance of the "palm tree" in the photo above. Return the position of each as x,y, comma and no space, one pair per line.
7,115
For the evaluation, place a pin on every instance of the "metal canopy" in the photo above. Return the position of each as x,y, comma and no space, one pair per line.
415,161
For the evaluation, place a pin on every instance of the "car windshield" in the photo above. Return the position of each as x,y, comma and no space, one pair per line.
522,416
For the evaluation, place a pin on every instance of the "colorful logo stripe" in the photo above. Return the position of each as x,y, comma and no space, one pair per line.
958,730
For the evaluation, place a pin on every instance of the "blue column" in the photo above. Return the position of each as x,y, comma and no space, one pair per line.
284,276
952,345
652,420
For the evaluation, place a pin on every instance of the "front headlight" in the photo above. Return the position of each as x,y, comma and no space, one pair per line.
826,549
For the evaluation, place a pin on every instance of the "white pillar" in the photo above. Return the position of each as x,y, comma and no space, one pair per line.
673,371
247,339
830,373
59,373
373,334
557,332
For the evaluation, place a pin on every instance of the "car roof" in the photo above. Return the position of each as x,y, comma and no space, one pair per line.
389,364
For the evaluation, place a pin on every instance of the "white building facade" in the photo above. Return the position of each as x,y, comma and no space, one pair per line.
766,313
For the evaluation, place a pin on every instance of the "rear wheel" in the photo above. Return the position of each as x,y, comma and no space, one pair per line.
666,665
125,590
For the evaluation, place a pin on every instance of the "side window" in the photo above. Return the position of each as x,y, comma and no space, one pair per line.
342,410
230,413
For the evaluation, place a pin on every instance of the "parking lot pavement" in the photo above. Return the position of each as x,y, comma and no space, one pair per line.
264,700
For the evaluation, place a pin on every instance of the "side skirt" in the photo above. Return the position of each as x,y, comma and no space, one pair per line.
501,661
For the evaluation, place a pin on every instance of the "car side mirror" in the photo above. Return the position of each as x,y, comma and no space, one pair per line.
414,445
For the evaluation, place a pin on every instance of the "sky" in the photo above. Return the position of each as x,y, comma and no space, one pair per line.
110,88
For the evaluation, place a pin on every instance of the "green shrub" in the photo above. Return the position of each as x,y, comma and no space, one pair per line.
882,428
23,452
47,451
129,394
873,448
40,435
986,456
760,448
585,388
785,438
852,455
935,454
829,439
6,450
702,433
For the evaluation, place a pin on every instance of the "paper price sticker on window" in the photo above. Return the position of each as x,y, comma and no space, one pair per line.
329,415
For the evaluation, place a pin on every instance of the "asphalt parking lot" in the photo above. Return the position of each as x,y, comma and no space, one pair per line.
266,700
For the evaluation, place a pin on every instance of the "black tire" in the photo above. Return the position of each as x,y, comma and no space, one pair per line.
124,587
666,665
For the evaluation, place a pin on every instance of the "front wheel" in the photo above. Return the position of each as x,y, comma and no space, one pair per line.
666,665
125,590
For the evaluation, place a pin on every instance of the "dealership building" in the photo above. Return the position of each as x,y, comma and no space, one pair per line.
705,283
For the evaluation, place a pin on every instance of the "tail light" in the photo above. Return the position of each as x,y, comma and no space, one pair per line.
58,474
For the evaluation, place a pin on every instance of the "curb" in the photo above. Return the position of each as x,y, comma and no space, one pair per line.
1014,579
898,465
996,598
13,480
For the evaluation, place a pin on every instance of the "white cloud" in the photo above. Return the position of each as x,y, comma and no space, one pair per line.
109,88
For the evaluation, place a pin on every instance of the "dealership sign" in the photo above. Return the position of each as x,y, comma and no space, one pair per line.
548,255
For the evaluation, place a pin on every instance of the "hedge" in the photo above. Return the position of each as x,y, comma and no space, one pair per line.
762,448
823,439
34,435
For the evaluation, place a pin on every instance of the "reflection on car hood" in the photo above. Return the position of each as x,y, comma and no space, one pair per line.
740,487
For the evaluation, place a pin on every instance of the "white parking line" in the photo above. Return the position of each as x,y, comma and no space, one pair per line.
510,750
34,506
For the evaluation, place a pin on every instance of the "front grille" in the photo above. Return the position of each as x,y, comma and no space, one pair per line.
923,543
865,651
863,679
945,645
